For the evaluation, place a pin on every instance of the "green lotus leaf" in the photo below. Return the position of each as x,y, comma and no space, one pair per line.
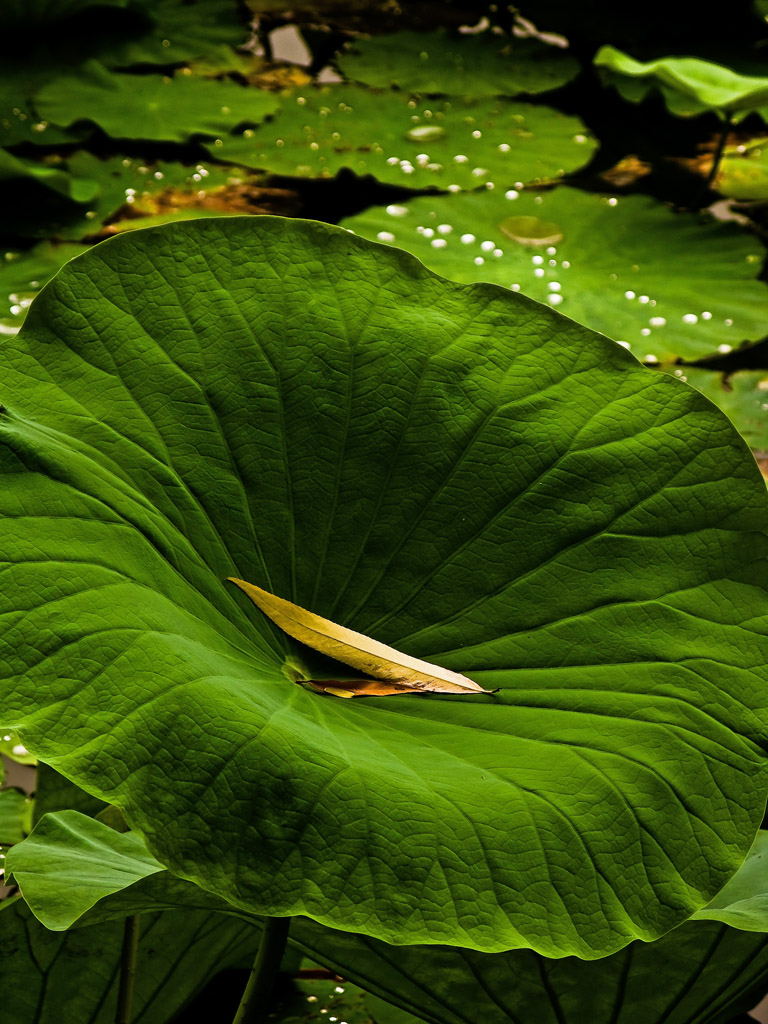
742,396
454,144
151,106
477,65
42,971
701,973
700,84
743,171
23,274
15,815
743,900
517,987
14,169
110,875
664,284
134,188
55,793
456,471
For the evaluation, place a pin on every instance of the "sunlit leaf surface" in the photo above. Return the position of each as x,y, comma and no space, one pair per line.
466,475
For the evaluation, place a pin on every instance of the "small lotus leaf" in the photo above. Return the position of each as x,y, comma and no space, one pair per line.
438,63
454,144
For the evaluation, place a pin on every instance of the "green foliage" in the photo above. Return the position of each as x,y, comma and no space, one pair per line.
742,396
44,973
278,439
691,86
15,813
437,63
665,284
152,106
445,143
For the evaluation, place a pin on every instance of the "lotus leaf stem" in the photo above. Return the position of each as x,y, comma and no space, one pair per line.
127,970
255,1002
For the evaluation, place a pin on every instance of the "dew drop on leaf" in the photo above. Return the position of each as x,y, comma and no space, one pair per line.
531,230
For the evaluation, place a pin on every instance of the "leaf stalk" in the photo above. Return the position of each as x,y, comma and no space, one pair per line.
255,1002
127,970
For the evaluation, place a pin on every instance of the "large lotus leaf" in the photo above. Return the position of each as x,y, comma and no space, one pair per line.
448,986
457,471
476,65
109,875
742,396
455,144
709,86
665,284
44,973
701,973
22,275
151,106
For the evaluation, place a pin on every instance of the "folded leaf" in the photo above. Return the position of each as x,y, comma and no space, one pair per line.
357,650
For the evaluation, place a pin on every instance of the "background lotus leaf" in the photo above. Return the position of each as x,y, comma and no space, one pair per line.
441,143
151,106
456,471
478,65
42,971
704,84
742,396
665,284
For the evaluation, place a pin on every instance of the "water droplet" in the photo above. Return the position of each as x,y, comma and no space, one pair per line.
301,100
166,42
552,263
554,286
565,264
643,299
504,147
466,239
90,214
218,142
651,359
645,331
581,139
538,272
479,261
629,295
624,344
20,750
613,201
515,287
422,159
460,158
690,318
706,315
454,188
657,321
551,250
438,243
498,252
444,229
537,260
428,232
487,246
531,231
476,134
479,172
511,194
385,236
539,200
554,299
725,349
397,211
425,133
728,322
